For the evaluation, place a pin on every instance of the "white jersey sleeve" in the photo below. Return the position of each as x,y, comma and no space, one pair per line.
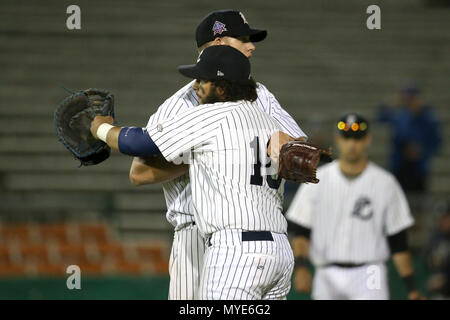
188,130
177,192
177,103
398,214
271,106
301,207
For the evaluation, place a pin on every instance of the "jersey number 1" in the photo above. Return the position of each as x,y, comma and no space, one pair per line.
256,178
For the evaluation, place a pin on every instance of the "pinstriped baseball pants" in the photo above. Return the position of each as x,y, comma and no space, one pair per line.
185,264
246,270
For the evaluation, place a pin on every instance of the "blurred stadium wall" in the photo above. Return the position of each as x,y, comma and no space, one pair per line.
319,60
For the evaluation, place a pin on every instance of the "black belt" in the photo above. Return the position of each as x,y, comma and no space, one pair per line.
250,236
345,265
257,236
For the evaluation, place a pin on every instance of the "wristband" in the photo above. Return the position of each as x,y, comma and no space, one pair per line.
409,283
103,130
302,262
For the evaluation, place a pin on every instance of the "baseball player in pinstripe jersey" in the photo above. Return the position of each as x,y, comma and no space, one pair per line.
350,223
236,195
226,27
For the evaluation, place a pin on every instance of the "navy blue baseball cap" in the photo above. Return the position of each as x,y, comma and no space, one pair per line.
353,125
410,89
219,62
226,23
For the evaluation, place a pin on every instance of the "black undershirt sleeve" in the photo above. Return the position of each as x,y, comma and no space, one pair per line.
398,242
299,231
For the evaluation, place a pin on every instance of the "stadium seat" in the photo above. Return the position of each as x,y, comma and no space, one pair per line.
94,233
147,252
4,255
49,269
34,253
111,252
48,249
130,268
53,232
9,270
93,269
152,258
15,233
72,254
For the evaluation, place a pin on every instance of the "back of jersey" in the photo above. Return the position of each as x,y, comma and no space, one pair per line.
231,174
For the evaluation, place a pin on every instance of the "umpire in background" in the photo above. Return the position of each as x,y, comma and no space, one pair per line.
350,223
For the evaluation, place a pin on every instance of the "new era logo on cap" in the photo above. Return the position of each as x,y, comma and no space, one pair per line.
219,27
219,63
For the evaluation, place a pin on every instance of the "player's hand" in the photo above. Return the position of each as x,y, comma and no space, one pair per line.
277,140
98,120
302,280
415,295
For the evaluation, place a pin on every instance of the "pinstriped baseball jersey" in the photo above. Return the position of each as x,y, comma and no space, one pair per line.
178,191
350,219
225,144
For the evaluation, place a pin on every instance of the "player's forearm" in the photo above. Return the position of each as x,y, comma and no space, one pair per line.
112,138
404,266
277,140
154,170
403,263
300,246
398,246
131,141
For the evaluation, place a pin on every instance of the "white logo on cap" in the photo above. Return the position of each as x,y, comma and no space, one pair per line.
351,118
243,18
220,73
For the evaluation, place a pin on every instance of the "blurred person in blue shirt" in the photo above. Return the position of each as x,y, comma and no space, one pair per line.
416,137
438,256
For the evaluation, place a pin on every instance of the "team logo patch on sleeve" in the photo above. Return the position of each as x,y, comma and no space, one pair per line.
219,27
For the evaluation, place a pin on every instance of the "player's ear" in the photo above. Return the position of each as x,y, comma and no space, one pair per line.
218,41
368,139
219,91
196,84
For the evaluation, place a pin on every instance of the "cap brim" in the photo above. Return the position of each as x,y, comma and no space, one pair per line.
351,134
257,35
191,71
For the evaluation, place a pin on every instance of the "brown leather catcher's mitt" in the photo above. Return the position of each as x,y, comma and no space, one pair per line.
299,160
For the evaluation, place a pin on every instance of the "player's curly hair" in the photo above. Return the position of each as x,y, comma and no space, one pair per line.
233,91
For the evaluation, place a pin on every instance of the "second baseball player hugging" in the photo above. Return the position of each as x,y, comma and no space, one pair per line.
236,203
224,27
